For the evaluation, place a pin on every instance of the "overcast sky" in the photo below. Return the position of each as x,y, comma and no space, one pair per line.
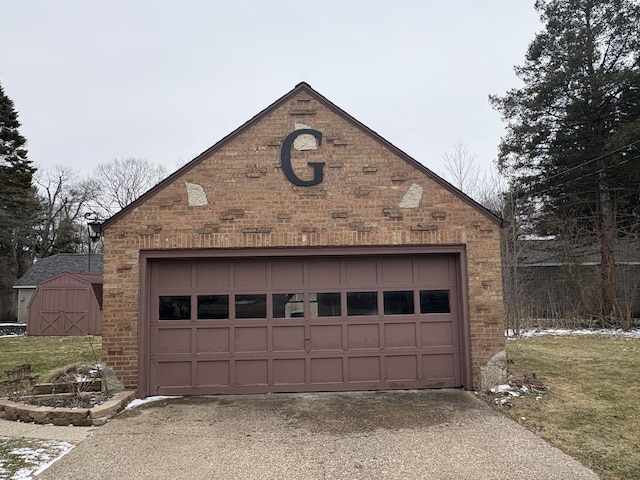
98,80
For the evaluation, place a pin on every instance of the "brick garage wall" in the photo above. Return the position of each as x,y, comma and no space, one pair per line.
238,197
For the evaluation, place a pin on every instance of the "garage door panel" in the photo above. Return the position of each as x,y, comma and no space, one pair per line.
173,341
173,373
325,337
213,373
172,274
324,273
212,275
364,369
289,371
435,333
397,271
213,340
363,336
326,370
360,271
250,274
287,273
250,339
438,366
435,270
401,368
251,372
400,335
288,338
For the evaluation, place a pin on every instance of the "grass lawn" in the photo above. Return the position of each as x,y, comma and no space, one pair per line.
46,353
591,408
23,457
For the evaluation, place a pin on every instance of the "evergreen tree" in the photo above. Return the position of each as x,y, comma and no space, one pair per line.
18,202
571,146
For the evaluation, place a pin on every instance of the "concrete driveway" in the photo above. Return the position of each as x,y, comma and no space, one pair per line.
429,434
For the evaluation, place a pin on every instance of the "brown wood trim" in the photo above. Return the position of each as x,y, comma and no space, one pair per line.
301,251
144,298
465,327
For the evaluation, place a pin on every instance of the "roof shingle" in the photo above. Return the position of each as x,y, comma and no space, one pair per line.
49,267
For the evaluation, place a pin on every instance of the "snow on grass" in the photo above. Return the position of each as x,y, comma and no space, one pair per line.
635,333
23,459
505,389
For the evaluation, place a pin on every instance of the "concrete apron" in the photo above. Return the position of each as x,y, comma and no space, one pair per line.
427,434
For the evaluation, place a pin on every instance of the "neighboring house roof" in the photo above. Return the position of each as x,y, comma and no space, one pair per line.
304,87
555,253
48,267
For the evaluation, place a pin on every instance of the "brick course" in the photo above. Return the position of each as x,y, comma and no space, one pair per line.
251,204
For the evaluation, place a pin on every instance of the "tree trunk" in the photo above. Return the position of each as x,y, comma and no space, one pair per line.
607,238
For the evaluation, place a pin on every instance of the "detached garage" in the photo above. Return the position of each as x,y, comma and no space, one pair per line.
303,252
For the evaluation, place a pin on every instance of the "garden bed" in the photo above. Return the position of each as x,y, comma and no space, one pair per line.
65,400
78,416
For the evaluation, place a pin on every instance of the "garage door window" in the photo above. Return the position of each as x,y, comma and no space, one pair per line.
362,303
398,303
325,304
175,307
288,305
251,306
213,307
434,301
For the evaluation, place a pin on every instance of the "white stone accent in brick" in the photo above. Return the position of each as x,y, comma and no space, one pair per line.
196,195
304,142
413,197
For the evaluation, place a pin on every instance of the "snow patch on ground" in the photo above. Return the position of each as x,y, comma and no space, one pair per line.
34,457
143,401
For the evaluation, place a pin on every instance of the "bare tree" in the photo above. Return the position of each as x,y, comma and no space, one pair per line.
464,173
122,180
491,190
64,199
515,288
462,169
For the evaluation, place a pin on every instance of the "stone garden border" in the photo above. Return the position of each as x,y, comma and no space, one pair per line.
81,417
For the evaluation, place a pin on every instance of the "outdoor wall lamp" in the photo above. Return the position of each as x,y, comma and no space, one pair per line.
94,227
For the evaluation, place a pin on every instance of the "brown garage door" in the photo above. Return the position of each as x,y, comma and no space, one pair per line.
303,324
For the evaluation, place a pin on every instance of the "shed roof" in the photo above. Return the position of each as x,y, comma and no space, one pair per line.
48,267
304,87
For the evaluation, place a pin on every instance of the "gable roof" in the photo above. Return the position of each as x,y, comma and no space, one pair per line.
306,88
48,267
